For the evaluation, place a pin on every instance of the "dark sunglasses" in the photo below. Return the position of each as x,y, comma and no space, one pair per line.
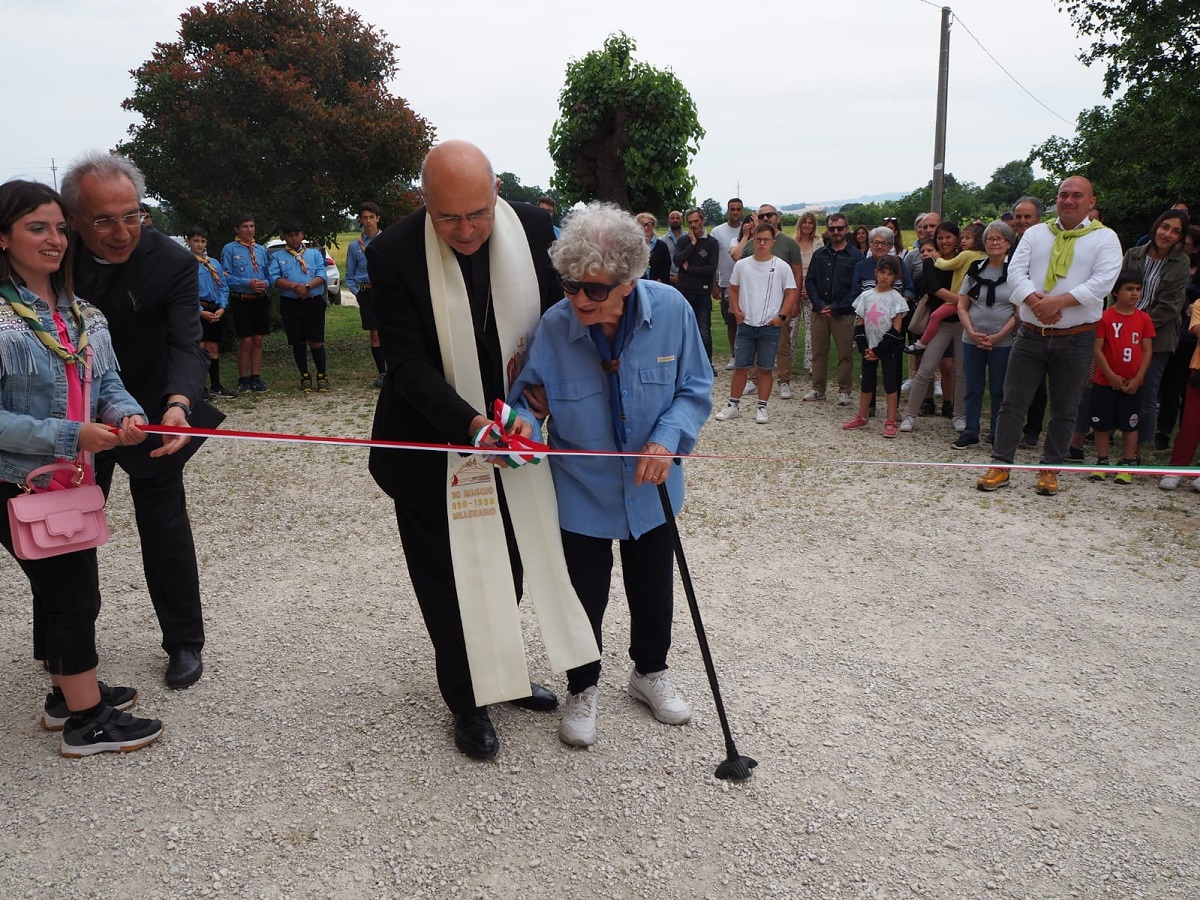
767,215
597,293
837,227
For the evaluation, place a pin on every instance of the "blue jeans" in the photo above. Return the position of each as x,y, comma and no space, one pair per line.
701,304
1148,418
756,346
979,365
1064,361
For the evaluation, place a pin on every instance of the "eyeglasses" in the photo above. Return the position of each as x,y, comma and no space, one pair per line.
764,240
837,227
767,215
477,218
646,224
597,293
995,239
881,243
105,224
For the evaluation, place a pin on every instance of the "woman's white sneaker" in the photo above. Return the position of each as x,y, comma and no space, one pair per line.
1169,482
578,726
657,692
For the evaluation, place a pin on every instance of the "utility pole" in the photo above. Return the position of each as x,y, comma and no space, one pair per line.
54,173
939,128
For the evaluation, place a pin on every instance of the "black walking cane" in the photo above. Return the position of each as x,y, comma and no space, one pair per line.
735,765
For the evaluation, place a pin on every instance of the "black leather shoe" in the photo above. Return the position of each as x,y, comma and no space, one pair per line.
540,699
474,734
184,668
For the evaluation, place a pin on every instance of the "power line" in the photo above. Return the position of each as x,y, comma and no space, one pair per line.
1001,67
1012,77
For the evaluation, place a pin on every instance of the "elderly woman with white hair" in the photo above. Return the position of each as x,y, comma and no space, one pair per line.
624,371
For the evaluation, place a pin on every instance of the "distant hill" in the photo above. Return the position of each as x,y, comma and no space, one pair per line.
833,205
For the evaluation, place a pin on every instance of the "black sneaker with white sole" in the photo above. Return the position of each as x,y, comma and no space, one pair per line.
56,713
108,732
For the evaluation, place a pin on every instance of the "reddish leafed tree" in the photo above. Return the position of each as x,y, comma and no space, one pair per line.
278,108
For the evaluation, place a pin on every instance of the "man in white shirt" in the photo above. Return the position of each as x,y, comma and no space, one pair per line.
1060,274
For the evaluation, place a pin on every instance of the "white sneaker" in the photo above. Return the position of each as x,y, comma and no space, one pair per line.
785,391
937,389
729,366
729,412
657,692
905,385
959,423
908,423
578,726
750,388
1169,482
760,417
813,395
843,399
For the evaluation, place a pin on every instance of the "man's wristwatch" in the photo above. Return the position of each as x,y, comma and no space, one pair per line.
179,404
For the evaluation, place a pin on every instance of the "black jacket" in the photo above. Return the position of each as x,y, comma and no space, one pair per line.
701,258
416,403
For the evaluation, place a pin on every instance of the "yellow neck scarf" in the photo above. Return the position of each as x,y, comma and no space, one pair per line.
1062,254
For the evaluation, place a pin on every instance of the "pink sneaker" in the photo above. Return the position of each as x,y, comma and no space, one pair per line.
856,422
890,429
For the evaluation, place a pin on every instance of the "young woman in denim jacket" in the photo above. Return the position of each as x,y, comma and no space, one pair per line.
43,335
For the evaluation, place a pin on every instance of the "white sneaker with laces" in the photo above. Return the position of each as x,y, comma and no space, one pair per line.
729,412
750,388
729,366
785,391
760,416
578,726
907,383
959,423
657,692
843,399
1169,482
813,395
908,423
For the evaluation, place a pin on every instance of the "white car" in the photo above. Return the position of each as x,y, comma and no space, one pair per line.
333,280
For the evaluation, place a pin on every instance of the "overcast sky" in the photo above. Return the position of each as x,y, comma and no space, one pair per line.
802,101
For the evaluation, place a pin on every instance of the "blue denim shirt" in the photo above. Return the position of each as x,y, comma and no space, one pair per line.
238,264
34,430
666,387
356,263
284,265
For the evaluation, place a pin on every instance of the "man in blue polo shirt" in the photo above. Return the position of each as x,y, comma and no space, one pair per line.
299,274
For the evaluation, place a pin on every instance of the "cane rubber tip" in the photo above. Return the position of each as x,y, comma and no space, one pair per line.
736,768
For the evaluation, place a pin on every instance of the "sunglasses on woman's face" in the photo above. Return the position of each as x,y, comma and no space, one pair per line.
597,293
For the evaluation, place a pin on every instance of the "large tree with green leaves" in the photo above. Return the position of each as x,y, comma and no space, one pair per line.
1140,153
279,107
626,132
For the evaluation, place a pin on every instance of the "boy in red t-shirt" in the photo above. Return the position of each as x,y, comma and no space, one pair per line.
1123,351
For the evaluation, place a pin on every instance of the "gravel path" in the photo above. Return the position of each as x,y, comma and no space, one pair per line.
950,695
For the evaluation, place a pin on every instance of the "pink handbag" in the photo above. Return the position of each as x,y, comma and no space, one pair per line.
50,523
53,522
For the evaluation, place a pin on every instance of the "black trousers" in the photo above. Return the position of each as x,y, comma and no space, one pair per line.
168,549
425,536
646,565
66,601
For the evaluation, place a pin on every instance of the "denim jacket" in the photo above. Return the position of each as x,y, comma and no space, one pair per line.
34,430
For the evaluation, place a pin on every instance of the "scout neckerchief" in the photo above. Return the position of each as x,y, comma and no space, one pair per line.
48,336
250,246
1062,253
486,599
975,273
298,256
207,263
610,362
